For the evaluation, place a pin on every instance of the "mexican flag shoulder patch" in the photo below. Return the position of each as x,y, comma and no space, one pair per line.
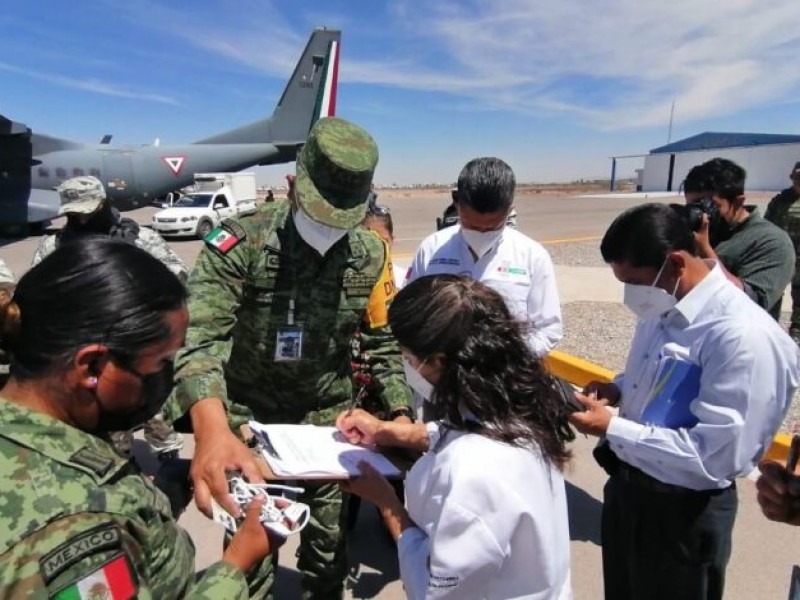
112,581
222,239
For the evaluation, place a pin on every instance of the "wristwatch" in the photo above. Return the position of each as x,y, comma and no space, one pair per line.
403,411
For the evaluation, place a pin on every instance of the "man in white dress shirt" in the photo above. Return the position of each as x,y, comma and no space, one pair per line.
709,377
483,247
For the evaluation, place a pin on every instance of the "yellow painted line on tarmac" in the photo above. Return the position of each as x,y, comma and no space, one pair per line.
572,240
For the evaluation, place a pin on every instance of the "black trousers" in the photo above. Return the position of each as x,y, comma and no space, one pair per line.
662,541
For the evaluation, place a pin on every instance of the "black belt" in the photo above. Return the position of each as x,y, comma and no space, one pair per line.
622,471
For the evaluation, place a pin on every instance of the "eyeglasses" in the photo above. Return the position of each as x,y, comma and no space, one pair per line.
378,210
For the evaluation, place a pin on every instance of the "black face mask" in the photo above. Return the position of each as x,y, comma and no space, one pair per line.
155,389
100,222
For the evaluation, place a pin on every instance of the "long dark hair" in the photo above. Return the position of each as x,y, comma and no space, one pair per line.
488,368
93,290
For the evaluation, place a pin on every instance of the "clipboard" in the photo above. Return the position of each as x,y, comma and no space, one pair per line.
391,462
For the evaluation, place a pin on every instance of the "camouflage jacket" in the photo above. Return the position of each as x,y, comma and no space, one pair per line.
784,211
74,515
239,300
147,239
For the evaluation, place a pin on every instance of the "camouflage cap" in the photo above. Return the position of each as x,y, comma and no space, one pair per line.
334,173
81,195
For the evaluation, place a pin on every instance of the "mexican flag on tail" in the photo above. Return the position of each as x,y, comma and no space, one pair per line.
113,581
222,239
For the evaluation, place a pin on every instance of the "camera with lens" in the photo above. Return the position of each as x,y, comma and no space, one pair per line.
696,209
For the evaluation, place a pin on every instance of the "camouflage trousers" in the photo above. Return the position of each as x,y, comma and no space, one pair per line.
322,558
794,322
158,433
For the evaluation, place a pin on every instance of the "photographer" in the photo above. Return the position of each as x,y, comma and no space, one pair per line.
758,256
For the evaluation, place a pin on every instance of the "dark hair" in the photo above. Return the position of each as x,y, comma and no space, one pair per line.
91,290
486,185
385,219
726,178
488,368
642,236
698,180
380,213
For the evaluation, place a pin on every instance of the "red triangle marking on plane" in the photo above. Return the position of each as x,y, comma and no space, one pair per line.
175,163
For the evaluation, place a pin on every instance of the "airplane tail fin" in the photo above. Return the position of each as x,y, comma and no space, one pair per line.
309,95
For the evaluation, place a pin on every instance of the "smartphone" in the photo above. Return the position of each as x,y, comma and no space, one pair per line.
794,454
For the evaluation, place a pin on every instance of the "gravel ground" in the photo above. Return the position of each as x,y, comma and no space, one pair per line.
582,254
601,331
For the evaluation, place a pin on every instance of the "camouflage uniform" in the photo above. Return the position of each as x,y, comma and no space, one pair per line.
85,195
241,296
784,211
147,239
72,506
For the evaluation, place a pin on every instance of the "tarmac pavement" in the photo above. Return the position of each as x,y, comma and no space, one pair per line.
763,551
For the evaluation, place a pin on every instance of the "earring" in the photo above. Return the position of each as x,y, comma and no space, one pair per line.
92,382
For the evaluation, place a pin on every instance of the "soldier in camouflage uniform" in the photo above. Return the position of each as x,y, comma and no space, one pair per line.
89,212
784,211
275,299
77,520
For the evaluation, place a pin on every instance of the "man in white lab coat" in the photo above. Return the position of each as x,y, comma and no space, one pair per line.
482,246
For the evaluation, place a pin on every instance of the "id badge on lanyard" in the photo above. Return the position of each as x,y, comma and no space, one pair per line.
289,339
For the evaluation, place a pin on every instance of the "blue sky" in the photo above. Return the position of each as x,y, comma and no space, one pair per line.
554,88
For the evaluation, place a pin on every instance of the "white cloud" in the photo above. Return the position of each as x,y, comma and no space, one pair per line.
90,85
616,64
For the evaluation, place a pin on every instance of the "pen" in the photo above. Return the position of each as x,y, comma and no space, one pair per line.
267,444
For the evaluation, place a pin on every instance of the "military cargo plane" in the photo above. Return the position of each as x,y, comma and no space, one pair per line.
31,164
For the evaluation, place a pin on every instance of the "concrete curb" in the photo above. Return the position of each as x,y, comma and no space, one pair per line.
579,372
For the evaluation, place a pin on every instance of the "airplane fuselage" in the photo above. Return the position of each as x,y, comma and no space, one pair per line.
137,174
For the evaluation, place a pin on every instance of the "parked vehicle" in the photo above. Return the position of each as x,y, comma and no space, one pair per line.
218,196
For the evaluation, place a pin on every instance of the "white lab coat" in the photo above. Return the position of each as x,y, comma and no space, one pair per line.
491,523
517,267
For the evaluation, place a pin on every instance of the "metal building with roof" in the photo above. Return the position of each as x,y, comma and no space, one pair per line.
768,158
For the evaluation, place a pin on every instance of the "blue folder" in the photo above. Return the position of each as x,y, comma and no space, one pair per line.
677,384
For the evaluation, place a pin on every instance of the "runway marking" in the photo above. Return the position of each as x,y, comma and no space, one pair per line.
571,240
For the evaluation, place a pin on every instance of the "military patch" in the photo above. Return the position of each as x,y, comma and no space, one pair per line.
273,261
89,459
358,284
234,228
114,580
222,240
74,550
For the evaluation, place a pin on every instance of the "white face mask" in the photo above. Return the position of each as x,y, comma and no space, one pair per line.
649,301
416,381
320,237
481,241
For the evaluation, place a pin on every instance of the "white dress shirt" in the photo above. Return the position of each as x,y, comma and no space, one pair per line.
491,523
517,267
749,371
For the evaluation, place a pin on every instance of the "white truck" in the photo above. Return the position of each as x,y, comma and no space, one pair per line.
216,196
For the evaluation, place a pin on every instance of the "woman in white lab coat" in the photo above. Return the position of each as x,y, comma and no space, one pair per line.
485,513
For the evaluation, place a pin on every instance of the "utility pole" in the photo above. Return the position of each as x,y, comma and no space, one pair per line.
671,117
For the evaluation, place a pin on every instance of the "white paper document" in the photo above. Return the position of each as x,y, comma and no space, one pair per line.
313,452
